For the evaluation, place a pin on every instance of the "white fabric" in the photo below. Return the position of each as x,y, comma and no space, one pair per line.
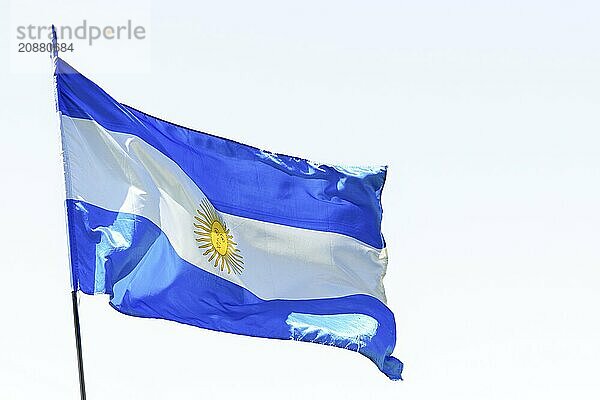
120,172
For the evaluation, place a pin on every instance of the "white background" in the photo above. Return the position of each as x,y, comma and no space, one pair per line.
488,116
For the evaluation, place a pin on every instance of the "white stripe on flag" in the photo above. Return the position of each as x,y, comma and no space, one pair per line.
120,172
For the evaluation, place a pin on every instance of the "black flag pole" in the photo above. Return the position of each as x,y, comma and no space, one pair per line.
54,56
78,343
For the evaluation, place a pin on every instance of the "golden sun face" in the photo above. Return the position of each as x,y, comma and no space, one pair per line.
213,235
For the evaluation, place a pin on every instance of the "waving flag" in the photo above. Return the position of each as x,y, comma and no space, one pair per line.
178,224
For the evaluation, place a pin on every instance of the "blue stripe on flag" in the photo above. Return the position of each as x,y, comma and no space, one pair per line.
240,179
137,266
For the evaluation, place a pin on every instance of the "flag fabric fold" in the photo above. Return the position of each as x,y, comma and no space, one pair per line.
181,225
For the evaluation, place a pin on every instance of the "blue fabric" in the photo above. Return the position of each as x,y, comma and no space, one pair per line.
129,258
240,179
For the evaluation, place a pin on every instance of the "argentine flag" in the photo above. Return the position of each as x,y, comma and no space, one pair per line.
181,225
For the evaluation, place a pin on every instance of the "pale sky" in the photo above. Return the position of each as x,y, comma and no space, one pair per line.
485,112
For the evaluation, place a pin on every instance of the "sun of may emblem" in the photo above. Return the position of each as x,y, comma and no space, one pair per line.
213,235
